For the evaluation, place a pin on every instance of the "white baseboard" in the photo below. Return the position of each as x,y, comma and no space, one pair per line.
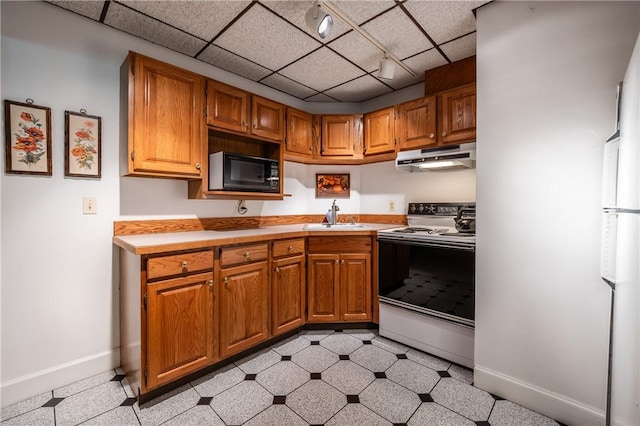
33,384
543,401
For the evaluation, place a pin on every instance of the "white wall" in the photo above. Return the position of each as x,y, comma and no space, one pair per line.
59,298
547,73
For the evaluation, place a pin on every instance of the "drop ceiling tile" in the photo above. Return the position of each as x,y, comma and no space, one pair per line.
322,70
444,20
418,63
460,48
398,34
135,23
204,19
288,86
358,90
233,63
358,50
90,9
360,11
320,97
264,38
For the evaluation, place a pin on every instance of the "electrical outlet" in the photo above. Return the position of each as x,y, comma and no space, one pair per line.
89,205
392,206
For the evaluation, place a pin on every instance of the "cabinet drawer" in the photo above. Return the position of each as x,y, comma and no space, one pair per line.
179,264
288,247
339,244
243,254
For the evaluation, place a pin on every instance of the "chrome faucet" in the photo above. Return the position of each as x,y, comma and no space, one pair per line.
334,213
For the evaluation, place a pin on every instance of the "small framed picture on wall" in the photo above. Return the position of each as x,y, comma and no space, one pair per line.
27,138
333,185
82,145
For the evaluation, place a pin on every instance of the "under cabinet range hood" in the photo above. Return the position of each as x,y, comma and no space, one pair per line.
450,157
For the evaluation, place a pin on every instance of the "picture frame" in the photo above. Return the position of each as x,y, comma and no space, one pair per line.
82,145
27,138
333,185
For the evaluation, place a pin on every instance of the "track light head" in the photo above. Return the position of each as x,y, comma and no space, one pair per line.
318,20
387,68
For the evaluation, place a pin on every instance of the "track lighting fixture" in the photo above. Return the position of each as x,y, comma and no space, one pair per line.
387,68
318,20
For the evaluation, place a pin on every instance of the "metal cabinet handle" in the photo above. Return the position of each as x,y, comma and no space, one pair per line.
444,134
337,261
245,124
226,281
290,248
432,135
184,263
198,166
247,254
342,261
255,126
210,283
277,269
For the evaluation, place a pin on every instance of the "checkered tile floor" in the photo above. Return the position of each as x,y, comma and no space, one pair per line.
323,377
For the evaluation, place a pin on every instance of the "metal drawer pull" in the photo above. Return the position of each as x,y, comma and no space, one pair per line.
290,248
342,262
184,263
247,254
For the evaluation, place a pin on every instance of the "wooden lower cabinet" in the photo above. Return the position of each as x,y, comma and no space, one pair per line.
243,307
287,294
179,327
339,287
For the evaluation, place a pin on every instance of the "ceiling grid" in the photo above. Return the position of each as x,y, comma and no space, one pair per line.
267,41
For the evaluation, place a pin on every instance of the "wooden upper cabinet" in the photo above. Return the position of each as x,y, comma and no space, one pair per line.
299,139
267,118
339,134
227,107
165,108
458,115
379,131
416,123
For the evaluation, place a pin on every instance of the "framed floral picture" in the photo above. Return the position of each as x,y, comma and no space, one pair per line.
333,185
27,138
82,144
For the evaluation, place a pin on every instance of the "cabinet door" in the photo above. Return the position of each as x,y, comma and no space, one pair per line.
355,287
458,115
287,294
227,107
416,123
323,303
267,118
338,135
379,132
244,302
299,140
179,327
166,131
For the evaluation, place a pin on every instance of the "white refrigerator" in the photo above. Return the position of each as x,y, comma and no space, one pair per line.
621,251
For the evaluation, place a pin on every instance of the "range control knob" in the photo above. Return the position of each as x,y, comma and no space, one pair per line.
412,208
420,208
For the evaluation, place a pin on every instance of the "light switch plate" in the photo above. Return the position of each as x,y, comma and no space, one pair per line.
89,205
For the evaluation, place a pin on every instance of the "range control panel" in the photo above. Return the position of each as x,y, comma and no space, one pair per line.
438,209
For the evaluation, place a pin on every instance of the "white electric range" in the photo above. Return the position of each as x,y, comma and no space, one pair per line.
426,281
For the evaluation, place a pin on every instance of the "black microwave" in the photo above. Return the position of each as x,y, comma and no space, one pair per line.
237,172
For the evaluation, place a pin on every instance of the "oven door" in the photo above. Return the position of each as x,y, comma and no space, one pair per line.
432,278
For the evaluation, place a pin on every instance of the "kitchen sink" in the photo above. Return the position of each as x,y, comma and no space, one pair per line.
336,227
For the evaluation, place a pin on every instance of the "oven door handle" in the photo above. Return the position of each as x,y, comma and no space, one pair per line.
445,245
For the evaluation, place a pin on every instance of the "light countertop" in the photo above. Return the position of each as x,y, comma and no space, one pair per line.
171,241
